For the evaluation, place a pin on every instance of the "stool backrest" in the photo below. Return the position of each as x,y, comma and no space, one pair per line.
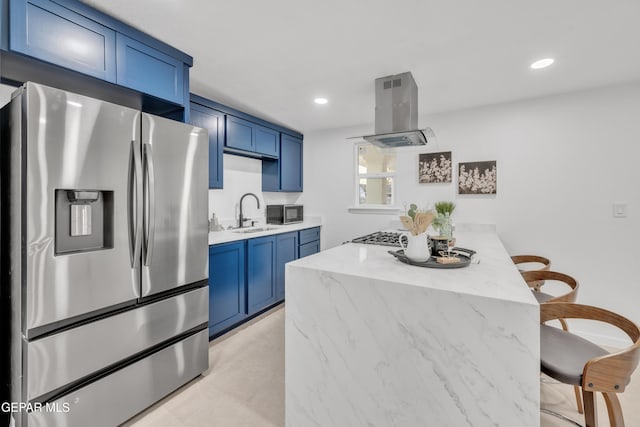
536,278
522,259
611,372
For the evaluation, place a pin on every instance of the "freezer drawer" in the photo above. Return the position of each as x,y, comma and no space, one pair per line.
121,395
60,359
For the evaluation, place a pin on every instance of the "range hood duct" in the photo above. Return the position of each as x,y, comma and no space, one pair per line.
396,121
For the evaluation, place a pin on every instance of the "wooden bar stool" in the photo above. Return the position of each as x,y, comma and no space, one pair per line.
521,259
526,259
571,359
536,279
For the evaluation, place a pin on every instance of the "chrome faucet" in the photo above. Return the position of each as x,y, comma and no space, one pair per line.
241,220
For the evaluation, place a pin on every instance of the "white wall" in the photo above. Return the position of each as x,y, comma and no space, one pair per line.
5,93
244,175
562,162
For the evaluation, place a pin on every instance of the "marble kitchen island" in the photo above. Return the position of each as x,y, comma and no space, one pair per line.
370,341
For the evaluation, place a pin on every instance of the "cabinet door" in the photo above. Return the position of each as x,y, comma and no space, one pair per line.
290,163
50,32
213,121
227,304
261,273
309,235
267,141
287,250
143,68
270,175
240,134
309,248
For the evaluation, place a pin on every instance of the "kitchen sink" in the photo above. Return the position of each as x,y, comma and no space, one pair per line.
254,230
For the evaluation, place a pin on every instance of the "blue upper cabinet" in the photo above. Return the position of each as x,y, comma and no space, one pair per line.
284,174
267,141
214,122
76,36
240,134
245,137
55,34
148,70
290,163
279,148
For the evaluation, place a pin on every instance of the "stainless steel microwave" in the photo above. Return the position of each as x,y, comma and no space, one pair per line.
284,214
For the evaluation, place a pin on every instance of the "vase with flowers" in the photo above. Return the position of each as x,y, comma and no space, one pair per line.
442,221
416,222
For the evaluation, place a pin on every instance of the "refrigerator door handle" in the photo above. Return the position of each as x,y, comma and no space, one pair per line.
150,204
135,208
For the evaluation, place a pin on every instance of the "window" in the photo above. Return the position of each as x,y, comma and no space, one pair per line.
376,170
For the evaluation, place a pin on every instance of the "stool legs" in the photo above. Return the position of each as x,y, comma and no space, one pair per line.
614,409
590,410
577,392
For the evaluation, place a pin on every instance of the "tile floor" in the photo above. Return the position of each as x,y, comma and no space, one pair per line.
246,386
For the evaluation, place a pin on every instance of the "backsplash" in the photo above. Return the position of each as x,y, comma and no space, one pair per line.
244,175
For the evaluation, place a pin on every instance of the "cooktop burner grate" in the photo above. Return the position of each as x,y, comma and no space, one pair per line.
383,238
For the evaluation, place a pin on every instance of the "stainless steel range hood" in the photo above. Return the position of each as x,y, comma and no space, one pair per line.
396,121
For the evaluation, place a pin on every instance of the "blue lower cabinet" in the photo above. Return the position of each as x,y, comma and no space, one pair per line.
227,303
287,250
247,276
261,273
309,248
309,240
309,235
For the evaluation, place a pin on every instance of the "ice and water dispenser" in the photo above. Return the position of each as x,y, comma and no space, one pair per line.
84,220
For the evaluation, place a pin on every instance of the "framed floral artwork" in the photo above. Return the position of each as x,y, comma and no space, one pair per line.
434,167
477,177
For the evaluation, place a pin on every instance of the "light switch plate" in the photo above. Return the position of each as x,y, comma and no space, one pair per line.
619,210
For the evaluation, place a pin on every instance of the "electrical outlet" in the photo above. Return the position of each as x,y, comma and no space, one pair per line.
619,210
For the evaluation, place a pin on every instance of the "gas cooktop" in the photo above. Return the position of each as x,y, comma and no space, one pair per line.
383,238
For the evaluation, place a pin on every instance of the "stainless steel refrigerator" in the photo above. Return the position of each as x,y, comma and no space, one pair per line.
105,265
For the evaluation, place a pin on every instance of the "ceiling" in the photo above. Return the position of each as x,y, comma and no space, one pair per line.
272,58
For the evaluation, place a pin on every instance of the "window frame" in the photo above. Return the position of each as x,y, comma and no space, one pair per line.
359,176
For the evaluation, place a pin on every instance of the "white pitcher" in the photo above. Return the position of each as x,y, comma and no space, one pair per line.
417,248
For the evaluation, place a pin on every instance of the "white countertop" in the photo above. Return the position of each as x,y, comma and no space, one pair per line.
226,236
373,341
495,276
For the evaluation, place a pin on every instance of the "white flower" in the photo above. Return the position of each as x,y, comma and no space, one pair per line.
476,182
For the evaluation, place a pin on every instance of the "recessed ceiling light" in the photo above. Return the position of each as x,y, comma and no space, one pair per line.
543,63
321,101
